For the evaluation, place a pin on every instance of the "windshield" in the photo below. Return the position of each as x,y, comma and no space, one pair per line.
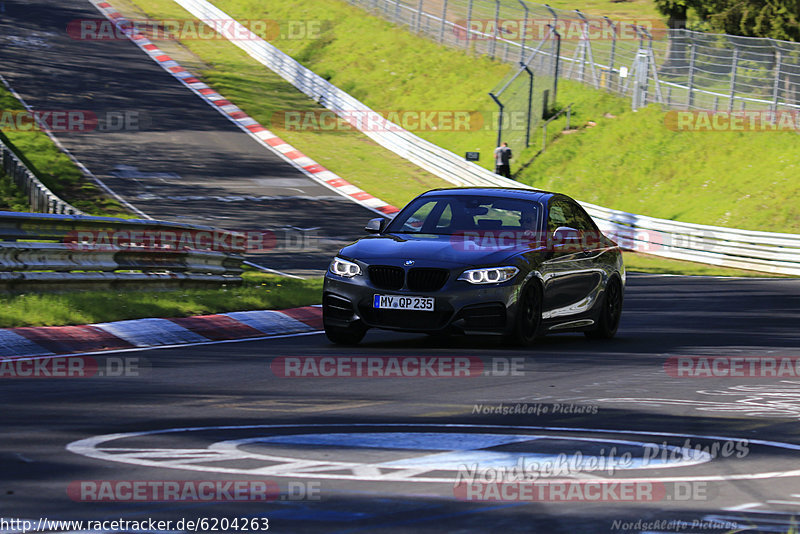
458,214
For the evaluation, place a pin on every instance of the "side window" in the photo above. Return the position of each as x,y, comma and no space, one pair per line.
558,215
580,219
416,219
445,219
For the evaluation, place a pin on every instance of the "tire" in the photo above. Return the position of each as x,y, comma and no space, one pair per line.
528,318
610,312
345,336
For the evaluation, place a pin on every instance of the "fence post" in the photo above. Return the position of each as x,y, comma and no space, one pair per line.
524,31
496,25
530,103
692,57
499,119
419,15
639,80
469,24
613,50
734,67
444,17
776,84
556,61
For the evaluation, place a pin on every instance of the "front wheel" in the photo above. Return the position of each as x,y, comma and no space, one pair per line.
351,335
529,315
610,312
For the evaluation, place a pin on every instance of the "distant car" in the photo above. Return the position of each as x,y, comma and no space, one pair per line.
517,263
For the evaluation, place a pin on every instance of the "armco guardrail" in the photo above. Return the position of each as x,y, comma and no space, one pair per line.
39,252
758,251
40,198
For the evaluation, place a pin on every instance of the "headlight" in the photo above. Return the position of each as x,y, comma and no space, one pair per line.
489,275
345,268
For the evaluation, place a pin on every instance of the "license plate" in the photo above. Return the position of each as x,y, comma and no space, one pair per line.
396,302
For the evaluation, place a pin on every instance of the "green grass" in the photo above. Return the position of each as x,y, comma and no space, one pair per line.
260,291
625,11
11,197
634,163
54,169
630,162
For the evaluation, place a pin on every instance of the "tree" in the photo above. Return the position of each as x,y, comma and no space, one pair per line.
676,12
778,19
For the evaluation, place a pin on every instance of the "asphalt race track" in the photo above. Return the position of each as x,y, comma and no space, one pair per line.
380,454
178,147
572,436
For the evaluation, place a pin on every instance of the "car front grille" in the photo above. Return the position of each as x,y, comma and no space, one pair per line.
386,277
422,279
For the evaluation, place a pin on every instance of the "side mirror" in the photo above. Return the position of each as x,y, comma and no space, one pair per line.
376,226
566,239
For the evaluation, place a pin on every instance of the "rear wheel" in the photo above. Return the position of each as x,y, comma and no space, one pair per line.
351,335
610,313
529,315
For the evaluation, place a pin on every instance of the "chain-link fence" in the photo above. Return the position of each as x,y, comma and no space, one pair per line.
524,97
644,60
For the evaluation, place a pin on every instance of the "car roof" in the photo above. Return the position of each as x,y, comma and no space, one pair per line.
500,192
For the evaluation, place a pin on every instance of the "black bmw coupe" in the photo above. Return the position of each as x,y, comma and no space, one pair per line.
517,263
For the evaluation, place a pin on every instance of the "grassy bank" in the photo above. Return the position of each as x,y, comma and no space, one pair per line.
54,169
631,162
259,292
390,68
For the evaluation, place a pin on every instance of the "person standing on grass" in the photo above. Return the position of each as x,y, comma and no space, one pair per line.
502,160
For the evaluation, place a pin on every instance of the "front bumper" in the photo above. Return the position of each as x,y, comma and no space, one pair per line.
460,307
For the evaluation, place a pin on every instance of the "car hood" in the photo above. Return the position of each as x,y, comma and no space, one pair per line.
427,249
